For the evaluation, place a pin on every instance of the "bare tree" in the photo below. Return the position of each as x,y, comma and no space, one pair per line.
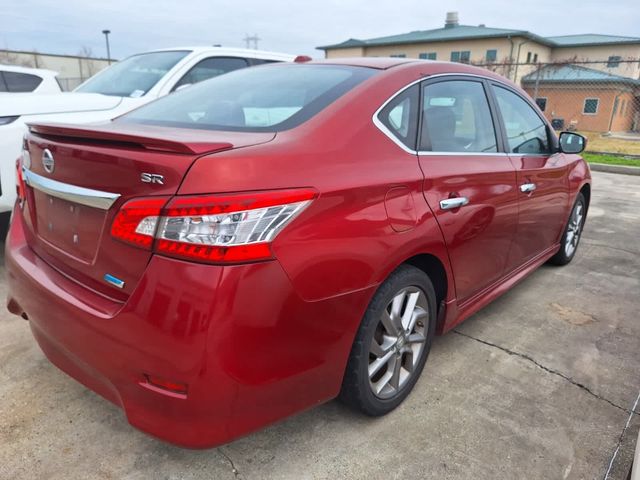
87,68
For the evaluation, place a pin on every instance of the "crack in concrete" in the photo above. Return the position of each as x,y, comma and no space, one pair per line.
228,459
549,370
620,440
592,244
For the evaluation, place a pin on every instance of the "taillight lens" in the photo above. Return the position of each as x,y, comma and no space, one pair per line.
215,228
137,220
20,186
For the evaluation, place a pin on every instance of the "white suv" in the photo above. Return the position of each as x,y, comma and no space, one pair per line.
27,80
114,91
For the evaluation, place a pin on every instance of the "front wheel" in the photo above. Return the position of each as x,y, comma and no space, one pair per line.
392,343
572,233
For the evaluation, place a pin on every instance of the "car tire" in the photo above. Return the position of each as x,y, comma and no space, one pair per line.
5,219
382,352
572,233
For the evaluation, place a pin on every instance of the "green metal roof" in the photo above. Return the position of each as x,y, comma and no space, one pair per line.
470,32
590,39
574,74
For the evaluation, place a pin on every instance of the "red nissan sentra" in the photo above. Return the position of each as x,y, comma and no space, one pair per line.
267,240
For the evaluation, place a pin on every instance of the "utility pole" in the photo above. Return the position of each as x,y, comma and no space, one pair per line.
106,37
248,40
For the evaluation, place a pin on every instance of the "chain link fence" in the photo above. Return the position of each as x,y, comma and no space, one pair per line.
598,98
68,84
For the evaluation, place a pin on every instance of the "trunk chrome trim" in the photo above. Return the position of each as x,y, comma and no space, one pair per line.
72,193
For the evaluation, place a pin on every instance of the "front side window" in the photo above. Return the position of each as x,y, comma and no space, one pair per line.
268,98
456,118
590,106
526,131
21,82
209,68
400,116
134,76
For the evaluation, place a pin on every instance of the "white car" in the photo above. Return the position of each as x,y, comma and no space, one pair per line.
128,84
27,80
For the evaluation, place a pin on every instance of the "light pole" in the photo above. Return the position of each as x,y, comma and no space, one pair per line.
106,37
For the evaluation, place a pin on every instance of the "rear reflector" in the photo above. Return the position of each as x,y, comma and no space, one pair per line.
214,228
162,385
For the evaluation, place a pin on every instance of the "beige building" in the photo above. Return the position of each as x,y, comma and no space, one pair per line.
72,69
512,53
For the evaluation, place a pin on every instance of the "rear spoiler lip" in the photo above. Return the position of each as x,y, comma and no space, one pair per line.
107,133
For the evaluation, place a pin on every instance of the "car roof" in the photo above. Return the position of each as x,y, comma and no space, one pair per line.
234,52
425,67
41,72
381,63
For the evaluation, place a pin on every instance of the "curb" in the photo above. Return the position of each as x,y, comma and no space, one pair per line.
623,169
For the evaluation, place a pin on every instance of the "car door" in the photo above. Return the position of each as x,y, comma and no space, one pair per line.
469,184
543,189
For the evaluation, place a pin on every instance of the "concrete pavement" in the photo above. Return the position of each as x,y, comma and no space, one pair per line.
539,385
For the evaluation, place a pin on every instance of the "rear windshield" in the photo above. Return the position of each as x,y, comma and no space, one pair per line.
267,98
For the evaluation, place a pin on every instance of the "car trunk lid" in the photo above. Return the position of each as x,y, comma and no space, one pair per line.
78,179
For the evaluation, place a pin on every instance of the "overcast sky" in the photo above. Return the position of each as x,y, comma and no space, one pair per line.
65,26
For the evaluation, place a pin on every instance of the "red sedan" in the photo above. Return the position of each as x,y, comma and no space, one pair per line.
265,241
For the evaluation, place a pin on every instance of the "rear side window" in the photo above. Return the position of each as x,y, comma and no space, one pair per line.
456,118
211,67
267,98
20,82
526,132
400,116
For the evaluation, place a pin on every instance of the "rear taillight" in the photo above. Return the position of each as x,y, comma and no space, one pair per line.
20,186
214,228
23,161
136,221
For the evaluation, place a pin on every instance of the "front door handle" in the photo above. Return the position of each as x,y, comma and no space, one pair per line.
527,187
451,203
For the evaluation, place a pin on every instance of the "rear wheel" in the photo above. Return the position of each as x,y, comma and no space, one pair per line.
572,233
5,218
392,343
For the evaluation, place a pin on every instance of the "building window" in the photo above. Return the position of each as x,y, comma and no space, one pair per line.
492,55
590,106
542,103
528,57
398,55
427,56
461,56
614,61
535,58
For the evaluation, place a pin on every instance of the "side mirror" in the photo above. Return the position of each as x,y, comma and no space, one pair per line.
572,142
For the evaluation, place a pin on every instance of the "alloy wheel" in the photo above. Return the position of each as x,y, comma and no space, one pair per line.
398,342
574,229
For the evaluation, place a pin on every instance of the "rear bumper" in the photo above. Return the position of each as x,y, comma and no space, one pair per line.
249,349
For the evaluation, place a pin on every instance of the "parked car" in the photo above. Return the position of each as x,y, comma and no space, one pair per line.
270,239
15,79
118,89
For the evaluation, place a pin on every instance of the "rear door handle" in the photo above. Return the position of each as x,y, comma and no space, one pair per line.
527,187
451,203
